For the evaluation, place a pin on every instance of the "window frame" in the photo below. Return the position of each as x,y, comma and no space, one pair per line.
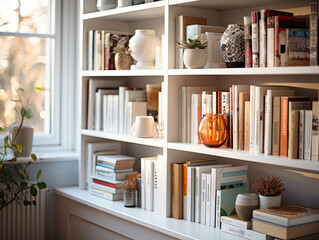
63,87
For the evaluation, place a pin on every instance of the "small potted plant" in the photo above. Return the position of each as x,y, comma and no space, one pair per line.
129,185
122,58
195,54
269,189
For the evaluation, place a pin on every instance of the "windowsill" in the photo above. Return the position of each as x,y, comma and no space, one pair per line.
52,156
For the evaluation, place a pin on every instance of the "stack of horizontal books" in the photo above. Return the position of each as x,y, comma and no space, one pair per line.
287,222
109,172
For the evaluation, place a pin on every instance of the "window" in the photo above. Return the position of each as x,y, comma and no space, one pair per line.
29,58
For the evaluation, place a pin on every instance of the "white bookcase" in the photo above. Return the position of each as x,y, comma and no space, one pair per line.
300,177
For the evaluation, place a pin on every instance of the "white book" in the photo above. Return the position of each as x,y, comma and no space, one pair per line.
214,102
87,170
260,93
198,186
149,185
226,176
204,102
113,159
102,52
236,90
252,119
136,109
196,30
194,117
270,47
96,49
143,180
97,111
203,199
110,110
268,116
301,134
208,199
159,191
315,132
90,49
157,194
105,113
209,102
242,232
115,113
190,212
121,108
130,96
308,134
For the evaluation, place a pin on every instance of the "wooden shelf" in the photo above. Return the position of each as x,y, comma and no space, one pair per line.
154,142
246,156
122,73
131,13
179,229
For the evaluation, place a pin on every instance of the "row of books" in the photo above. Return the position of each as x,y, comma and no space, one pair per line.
152,185
276,39
261,119
200,192
109,171
113,109
101,44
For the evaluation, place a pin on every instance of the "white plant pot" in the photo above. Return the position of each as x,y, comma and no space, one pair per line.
195,58
105,4
143,48
269,201
24,138
124,3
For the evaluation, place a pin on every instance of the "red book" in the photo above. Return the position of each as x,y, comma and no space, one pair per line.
108,184
284,122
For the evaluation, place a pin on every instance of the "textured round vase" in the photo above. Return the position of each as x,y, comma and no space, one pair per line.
105,4
195,58
232,46
122,61
269,201
245,204
143,48
212,130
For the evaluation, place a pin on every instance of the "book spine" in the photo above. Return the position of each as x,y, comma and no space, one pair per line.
268,123
190,194
103,194
315,132
231,117
243,96
218,210
157,194
314,33
301,133
255,38
257,120
197,185
90,49
149,182
234,222
208,199
270,41
177,191
276,126
263,38
213,197
293,134
179,38
308,133
248,44
243,233
252,119
185,171
247,126
284,127
203,199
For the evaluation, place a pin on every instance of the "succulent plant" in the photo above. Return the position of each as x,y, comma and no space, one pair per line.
198,42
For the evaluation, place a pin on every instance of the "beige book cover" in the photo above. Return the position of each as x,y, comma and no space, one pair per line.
315,132
247,126
177,191
243,97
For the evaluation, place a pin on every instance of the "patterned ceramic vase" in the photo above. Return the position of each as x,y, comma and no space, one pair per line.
232,46
122,61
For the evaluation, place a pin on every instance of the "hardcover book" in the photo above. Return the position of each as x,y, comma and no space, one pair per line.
299,47
247,37
243,232
225,202
152,91
236,221
315,132
308,134
284,232
255,17
288,216
177,191
314,27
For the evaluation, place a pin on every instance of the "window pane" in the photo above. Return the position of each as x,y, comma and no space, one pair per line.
23,64
24,16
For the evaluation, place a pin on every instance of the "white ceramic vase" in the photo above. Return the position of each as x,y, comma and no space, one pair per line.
143,48
105,4
195,58
24,138
124,3
269,201
245,204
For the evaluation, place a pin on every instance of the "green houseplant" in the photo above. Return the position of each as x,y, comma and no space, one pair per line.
195,52
14,177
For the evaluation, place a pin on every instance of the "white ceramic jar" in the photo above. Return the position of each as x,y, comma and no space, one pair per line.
195,58
143,48
245,204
